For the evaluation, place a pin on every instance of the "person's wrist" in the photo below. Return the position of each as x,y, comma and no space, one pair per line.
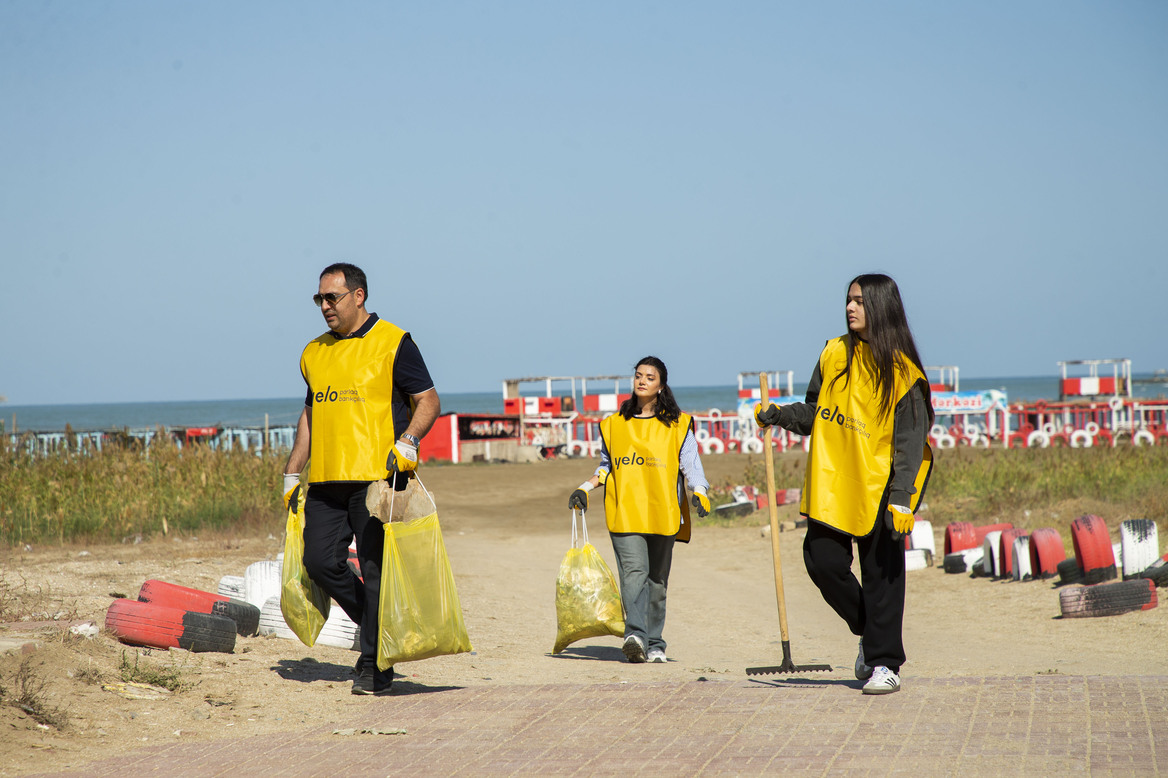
586,487
413,441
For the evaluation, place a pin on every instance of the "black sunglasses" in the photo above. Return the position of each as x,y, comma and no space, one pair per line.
332,298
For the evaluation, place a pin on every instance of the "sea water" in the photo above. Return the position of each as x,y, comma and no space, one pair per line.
284,411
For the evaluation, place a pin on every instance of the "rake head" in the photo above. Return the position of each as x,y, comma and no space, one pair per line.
787,667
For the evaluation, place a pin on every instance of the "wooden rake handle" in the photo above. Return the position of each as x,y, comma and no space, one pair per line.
768,455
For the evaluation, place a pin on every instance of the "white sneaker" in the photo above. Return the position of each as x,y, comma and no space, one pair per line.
656,655
634,649
884,681
863,672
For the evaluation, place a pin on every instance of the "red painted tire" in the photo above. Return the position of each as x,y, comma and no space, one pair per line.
1006,550
1093,549
245,615
981,532
1111,599
959,535
157,626
1046,551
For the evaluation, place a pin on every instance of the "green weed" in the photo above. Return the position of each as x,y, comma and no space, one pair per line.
168,677
29,695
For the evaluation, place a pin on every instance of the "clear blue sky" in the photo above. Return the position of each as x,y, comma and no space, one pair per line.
560,188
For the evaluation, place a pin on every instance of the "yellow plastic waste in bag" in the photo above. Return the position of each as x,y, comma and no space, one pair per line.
588,602
419,615
304,604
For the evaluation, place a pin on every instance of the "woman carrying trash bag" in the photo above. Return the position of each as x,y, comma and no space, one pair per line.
646,449
868,411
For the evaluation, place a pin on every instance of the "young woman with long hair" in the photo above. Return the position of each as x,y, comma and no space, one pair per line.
647,448
868,411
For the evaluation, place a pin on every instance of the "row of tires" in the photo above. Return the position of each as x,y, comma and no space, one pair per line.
1005,552
167,615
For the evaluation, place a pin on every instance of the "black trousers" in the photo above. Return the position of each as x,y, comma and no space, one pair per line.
872,607
333,515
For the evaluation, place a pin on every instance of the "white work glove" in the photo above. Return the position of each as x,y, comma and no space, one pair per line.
291,491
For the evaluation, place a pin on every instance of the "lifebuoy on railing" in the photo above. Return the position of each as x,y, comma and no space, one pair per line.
1116,403
1140,437
1049,429
1092,428
1038,438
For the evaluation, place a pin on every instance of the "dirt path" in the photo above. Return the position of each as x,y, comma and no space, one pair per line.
506,530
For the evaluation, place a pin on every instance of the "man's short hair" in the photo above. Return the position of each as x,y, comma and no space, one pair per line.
354,276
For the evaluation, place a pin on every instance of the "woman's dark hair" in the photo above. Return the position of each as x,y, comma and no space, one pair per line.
889,337
666,411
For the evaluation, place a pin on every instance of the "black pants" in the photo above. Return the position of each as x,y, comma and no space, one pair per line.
333,514
873,609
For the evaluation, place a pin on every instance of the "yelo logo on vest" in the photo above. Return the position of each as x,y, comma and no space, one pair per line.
847,422
331,395
638,461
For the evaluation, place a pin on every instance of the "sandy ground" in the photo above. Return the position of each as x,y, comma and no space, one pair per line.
506,529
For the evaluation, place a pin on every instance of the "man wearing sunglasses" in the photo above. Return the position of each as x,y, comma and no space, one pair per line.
370,401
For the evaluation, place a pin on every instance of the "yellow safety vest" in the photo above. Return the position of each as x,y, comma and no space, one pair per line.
850,464
352,404
643,491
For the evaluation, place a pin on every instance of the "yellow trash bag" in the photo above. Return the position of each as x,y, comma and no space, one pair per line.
304,604
419,615
588,602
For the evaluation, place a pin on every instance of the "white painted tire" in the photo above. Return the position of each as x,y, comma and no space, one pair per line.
577,448
916,559
970,431
1039,439
1139,546
231,586
339,631
1082,439
714,413
937,430
1050,429
752,445
973,556
702,435
712,446
261,581
989,546
1021,567
922,536
1140,437
946,441
272,620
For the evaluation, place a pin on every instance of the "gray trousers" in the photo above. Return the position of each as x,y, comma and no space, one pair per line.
643,563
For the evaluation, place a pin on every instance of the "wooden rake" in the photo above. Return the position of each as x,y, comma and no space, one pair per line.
787,667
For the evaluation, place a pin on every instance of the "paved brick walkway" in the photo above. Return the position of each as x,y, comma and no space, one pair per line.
963,726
